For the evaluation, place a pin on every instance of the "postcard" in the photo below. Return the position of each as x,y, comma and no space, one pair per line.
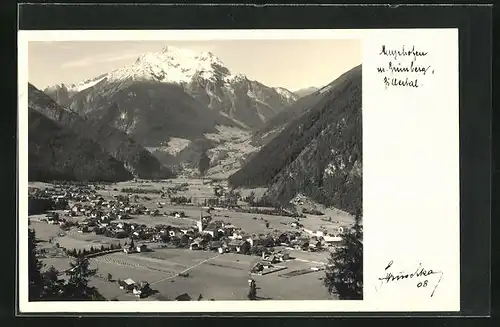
239,171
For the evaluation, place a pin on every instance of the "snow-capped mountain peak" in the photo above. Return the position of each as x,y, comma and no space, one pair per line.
290,96
169,65
202,76
78,86
173,65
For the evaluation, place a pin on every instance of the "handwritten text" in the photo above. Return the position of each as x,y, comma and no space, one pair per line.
404,67
420,275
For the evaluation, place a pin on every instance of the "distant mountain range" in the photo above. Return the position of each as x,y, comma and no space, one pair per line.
306,91
133,157
316,149
170,86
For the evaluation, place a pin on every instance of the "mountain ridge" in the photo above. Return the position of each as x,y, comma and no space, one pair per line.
318,153
277,123
57,153
202,75
135,158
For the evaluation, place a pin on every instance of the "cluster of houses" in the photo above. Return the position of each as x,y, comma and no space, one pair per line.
106,211
54,218
208,234
110,218
223,237
141,289
66,191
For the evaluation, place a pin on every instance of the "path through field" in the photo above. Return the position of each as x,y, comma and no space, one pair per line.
186,270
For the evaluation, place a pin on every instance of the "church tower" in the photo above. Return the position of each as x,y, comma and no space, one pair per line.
200,222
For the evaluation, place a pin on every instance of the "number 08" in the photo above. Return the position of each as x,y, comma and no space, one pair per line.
422,284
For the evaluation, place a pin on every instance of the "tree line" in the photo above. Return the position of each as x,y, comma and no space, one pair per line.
48,286
77,253
140,190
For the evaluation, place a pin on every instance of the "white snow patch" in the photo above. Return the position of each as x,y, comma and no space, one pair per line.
286,94
79,86
250,94
170,65
85,85
173,65
330,169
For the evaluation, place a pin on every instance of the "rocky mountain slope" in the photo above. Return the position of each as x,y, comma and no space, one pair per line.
305,91
57,153
189,91
149,112
319,154
136,159
62,93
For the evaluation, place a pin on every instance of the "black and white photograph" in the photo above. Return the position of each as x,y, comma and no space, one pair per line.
195,170
252,160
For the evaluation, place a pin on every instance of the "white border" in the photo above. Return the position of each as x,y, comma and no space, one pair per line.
370,302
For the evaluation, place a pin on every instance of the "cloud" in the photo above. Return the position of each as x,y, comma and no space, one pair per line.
89,61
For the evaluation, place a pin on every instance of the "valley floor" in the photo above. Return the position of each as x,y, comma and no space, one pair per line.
209,274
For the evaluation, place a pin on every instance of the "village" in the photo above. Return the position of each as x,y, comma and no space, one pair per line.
145,224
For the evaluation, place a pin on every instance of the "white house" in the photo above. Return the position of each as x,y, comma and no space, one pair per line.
332,239
319,233
128,284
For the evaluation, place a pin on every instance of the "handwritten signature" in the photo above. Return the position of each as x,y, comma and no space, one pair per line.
420,274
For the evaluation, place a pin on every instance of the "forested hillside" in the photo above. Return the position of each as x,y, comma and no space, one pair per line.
319,154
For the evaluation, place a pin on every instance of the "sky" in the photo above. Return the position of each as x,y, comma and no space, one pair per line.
293,64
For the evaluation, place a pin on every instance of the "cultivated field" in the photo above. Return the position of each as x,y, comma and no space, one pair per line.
214,276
